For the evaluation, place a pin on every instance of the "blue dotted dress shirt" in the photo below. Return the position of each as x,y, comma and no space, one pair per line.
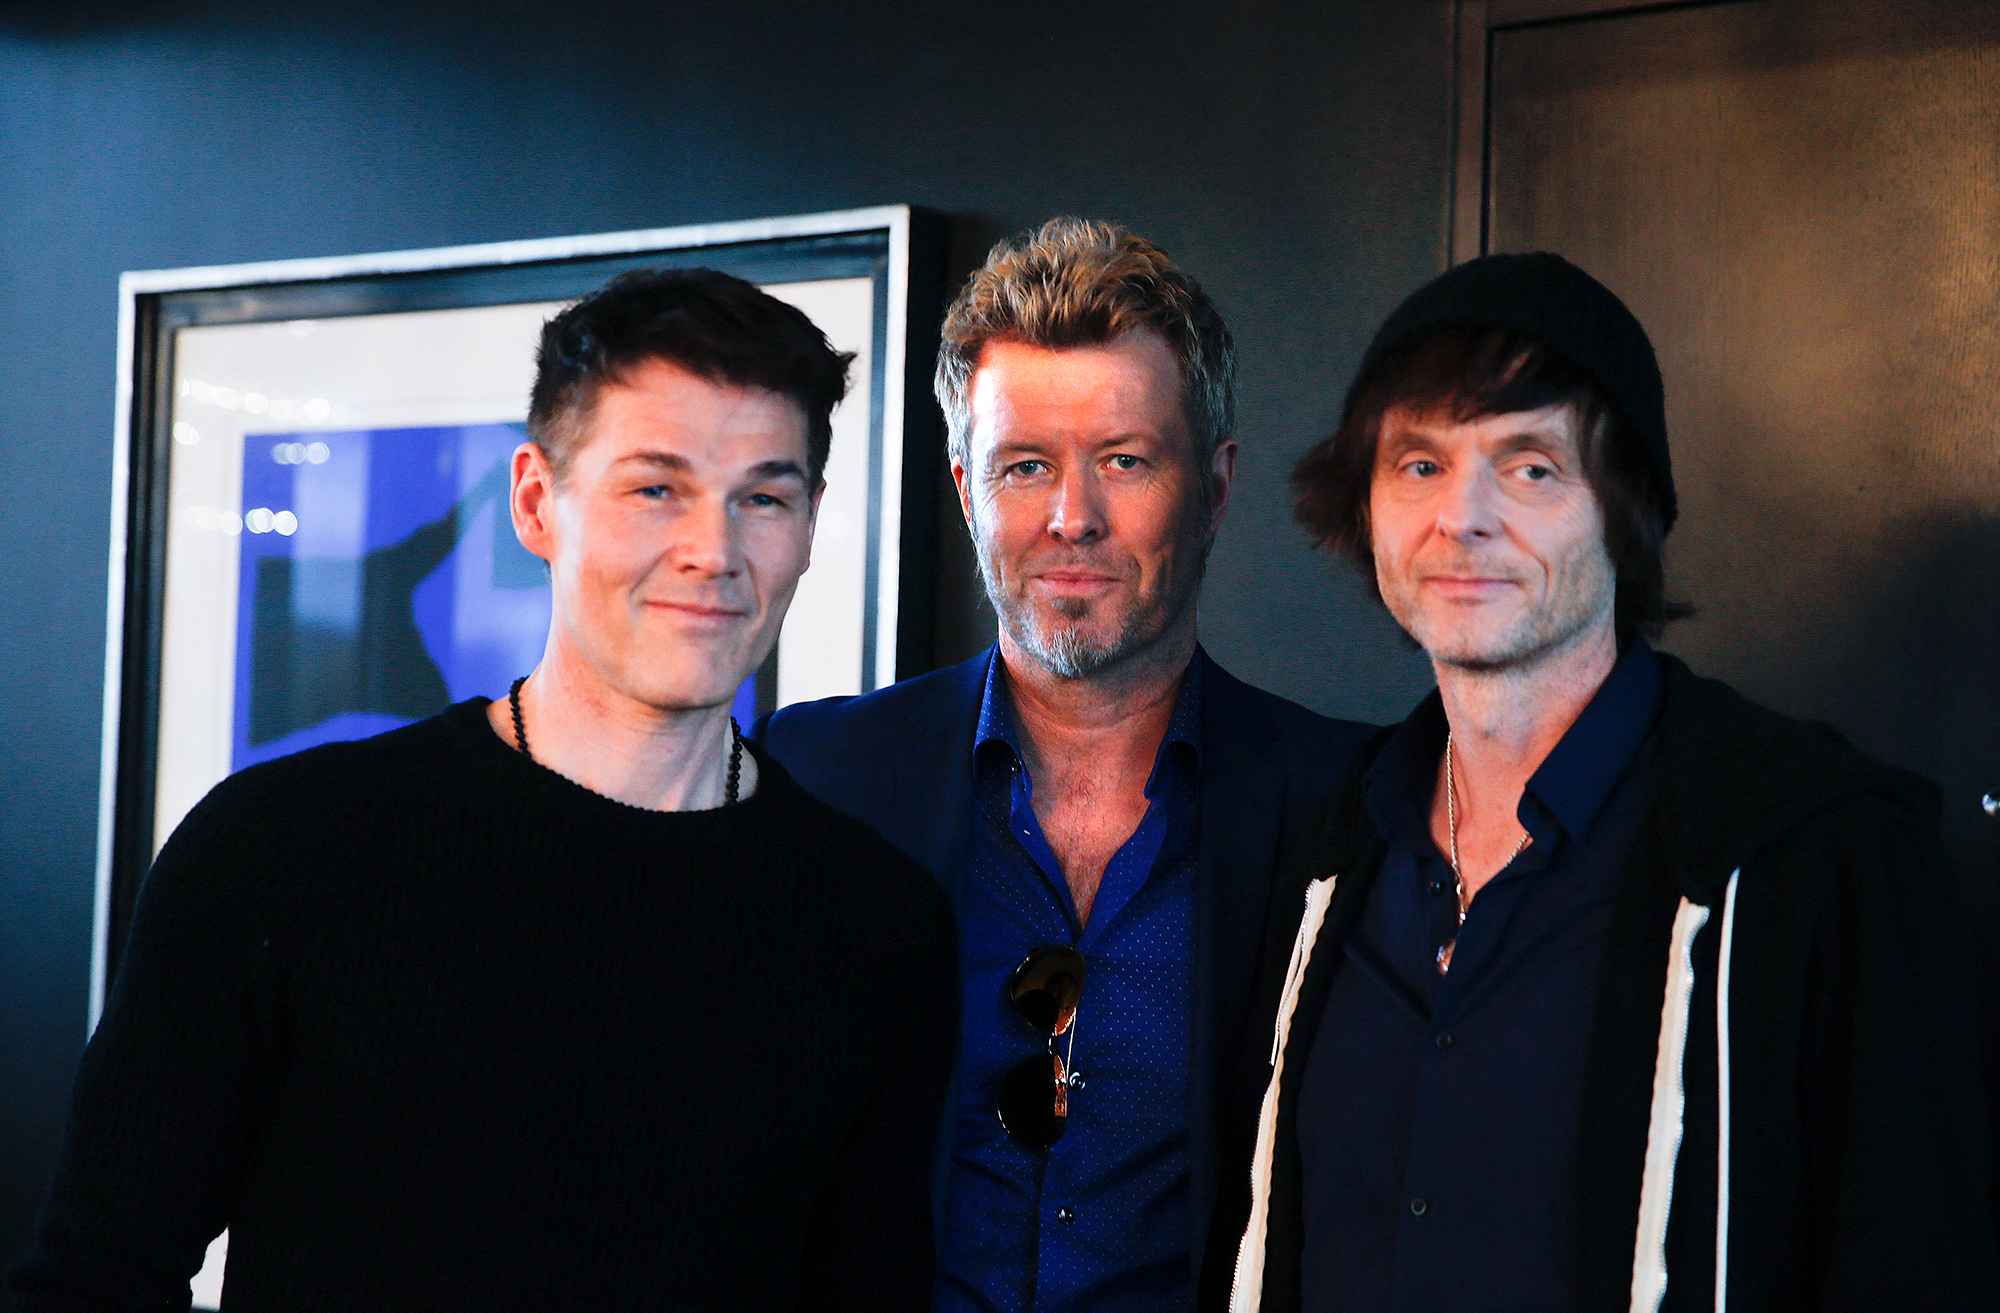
1438,1120
1098,1222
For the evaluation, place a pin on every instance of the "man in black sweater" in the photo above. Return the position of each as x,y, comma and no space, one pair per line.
1593,985
572,1001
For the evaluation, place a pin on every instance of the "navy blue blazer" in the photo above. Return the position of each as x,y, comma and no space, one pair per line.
900,760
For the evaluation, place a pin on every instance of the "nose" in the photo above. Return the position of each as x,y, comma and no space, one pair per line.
1469,504
705,543
1076,508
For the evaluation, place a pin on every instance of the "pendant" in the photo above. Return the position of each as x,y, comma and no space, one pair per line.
1444,957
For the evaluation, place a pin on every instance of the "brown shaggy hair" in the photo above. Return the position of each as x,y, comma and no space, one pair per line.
1469,373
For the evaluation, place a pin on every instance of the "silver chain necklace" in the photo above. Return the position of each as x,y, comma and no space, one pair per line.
1458,876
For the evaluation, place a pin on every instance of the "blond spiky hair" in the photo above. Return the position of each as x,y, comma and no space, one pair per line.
1078,282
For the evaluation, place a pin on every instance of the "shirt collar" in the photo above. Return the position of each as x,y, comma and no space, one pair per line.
1572,782
996,717
1579,773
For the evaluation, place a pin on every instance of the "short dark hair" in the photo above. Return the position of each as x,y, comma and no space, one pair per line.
714,325
1468,373
1078,282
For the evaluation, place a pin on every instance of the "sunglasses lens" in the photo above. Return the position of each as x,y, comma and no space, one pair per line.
1045,989
1034,1101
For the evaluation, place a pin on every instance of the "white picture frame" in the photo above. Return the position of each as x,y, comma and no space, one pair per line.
241,386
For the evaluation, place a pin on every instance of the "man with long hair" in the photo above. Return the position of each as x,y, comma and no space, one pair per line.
1593,985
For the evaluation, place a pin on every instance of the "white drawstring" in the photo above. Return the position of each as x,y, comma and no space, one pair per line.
1246,1289
1722,1095
1663,1133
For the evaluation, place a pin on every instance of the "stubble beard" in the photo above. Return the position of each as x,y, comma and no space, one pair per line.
1531,637
1067,644
1518,646
1071,651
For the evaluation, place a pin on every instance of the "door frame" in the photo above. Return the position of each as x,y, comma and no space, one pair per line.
1470,219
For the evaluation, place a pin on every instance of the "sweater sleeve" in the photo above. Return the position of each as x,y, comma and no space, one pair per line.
871,1246
166,1100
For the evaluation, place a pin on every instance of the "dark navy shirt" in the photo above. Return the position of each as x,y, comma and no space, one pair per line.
1100,1221
1438,1122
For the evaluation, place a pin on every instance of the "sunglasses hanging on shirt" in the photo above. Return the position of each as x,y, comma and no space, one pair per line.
1034,1096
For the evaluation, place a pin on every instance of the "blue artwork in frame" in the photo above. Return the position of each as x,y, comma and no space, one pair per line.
433,601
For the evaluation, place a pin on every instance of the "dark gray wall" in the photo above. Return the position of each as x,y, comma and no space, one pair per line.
1293,156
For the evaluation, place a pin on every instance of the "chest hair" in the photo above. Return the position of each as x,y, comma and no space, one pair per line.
1087,813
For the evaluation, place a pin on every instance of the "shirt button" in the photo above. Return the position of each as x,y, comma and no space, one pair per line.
1419,1207
1065,1214
1437,886
1076,1080
1443,1040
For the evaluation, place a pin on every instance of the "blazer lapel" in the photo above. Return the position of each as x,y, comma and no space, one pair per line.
935,775
1242,812
933,781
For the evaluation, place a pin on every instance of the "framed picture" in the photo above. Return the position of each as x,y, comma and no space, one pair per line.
310,532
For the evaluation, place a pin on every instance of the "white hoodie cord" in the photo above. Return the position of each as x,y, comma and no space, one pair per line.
1664,1130
1722,1095
1663,1134
1246,1288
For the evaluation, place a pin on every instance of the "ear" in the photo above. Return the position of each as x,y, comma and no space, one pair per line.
963,481
1221,480
812,524
530,499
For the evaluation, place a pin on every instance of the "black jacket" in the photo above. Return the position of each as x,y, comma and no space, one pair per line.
1805,880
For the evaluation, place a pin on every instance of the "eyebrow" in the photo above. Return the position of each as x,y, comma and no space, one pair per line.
1016,448
1540,439
667,460
1402,440
1568,445
1005,453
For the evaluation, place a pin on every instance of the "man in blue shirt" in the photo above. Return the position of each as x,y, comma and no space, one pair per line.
1593,986
1102,801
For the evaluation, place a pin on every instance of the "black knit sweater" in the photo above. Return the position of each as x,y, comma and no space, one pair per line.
426,1025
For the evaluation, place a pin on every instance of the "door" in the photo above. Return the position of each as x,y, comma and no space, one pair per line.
1801,201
